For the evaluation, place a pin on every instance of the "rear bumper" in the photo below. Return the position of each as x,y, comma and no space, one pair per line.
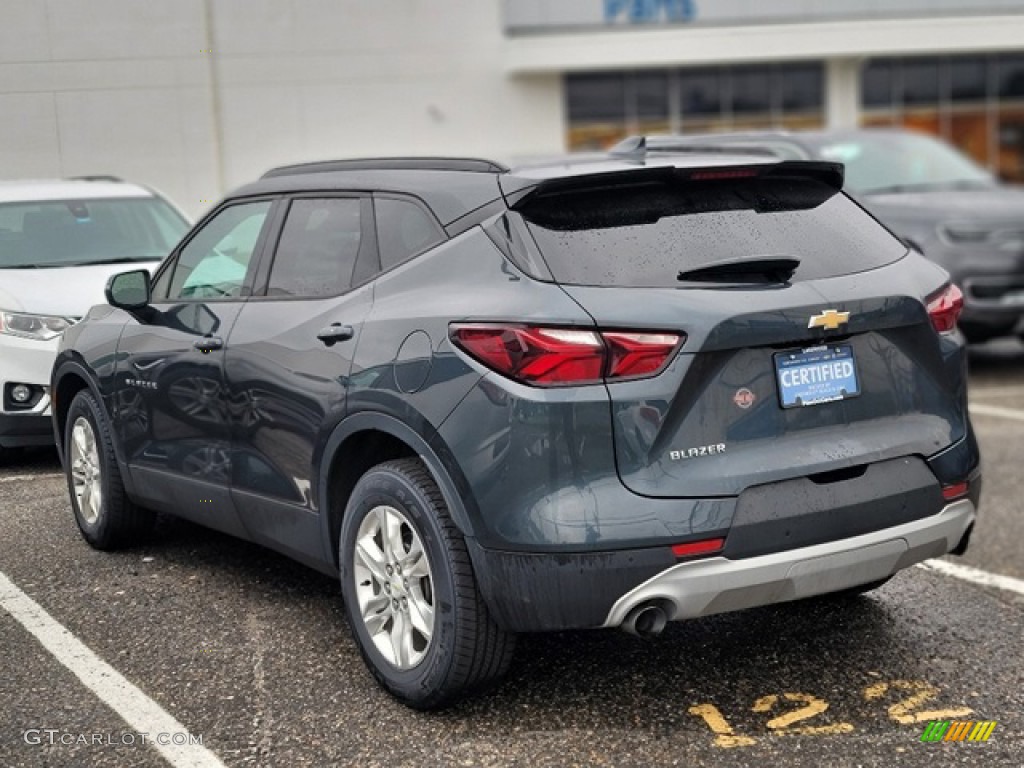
531,592
718,585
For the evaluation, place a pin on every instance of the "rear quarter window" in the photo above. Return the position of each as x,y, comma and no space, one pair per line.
403,230
645,234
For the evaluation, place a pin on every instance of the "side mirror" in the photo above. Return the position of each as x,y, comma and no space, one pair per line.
129,290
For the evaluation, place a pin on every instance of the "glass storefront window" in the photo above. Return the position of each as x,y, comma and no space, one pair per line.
751,91
974,102
700,92
596,105
802,88
650,92
597,98
877,83
605,108
968,78
920,82
1011,77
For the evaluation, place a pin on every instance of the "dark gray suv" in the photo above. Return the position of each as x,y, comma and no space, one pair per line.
598,393
932,196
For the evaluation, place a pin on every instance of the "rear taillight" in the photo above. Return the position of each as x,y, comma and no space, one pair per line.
694,548
944,308
638,354
955,491
549,357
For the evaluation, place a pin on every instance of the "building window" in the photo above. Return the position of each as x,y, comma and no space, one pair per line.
597,105
974,102
604,108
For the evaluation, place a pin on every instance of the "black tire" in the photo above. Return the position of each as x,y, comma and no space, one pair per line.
116,521
467,651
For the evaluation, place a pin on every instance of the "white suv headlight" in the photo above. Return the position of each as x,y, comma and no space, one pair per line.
40,327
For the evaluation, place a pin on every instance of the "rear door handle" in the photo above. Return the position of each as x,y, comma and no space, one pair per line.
208,344
334,333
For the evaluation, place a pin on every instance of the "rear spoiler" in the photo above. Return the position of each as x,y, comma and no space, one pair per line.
518,189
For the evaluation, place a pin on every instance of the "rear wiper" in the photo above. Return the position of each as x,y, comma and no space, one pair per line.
760,269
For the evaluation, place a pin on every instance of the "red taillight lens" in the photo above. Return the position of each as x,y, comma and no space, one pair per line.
562,356
955,491
944,309
691,548
737,173
638,354
542,356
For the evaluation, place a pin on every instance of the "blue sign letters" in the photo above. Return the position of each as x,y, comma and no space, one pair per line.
647,11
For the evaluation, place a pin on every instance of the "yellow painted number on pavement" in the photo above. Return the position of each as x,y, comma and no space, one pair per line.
812,707
904,710
724,734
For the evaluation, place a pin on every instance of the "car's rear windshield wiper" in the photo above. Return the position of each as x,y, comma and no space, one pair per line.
760,269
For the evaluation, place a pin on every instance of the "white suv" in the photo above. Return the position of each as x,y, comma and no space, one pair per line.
59,243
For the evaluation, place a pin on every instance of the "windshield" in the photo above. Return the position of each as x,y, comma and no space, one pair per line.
62,233
902,162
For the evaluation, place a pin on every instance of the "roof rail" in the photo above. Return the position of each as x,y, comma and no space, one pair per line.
96,177
638,147
469,164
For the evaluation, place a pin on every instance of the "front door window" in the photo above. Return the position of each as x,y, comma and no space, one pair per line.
214,263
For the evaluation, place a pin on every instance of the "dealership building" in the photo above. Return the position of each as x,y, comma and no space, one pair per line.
953,68
195,96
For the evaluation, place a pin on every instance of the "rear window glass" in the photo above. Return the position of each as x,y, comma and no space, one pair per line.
645,234
318,248
63,233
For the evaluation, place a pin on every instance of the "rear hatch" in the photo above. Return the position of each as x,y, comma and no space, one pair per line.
809,349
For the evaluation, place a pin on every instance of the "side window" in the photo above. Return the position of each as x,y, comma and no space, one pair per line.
403,230
318,248
214,262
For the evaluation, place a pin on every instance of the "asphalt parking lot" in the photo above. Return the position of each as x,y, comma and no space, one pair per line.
249,652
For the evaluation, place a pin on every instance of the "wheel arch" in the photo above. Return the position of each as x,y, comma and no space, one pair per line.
69,378
366,439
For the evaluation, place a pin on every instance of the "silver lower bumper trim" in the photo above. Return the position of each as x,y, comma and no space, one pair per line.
718,585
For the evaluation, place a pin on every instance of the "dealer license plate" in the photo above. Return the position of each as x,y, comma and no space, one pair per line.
816,375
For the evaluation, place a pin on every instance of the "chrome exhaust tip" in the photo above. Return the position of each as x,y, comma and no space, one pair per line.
646,620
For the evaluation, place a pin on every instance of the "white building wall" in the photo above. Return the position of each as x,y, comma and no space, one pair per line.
197,96
131,88
106,86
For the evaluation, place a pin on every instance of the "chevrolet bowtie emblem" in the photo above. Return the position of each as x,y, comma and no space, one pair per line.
830,320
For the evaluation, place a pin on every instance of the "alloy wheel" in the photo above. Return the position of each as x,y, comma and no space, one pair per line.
86,474
394,586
